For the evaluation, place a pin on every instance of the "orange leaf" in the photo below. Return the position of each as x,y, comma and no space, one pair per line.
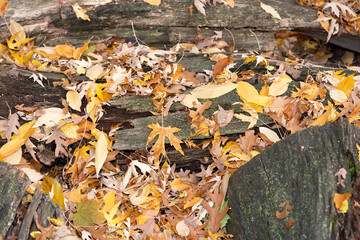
66,50
3,6
340,198
78,51
290,223
221,65
159,146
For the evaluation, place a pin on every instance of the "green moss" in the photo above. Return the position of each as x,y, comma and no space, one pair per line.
352,169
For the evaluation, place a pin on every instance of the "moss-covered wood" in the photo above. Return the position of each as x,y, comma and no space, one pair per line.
13,184
299,169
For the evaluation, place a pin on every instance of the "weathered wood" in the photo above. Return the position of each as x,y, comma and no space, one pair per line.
299,169
54,22
13,185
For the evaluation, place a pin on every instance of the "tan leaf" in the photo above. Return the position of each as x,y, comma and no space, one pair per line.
212,90
270,134
74,100
101,152
33,175
338,95
280,86
182,228
14,158
17,28
94,72
271,10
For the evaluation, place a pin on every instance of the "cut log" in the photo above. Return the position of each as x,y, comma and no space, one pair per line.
300,170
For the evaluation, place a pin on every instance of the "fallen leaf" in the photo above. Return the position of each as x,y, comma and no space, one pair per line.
153,2
249,94
3,6
271,10
340,198
270,134
182,228
87,213
289,223
101,152
54,190
221,65
159,147
280,86
212,90
80,13
16,28
74,100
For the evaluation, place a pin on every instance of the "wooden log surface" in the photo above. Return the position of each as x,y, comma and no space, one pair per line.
54,22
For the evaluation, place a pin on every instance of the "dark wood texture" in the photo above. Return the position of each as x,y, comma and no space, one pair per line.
299,169
12,187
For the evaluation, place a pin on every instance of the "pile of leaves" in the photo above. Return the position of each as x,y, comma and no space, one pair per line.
151,198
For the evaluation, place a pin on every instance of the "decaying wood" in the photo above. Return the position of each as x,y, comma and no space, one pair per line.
301,170
54,22
12,188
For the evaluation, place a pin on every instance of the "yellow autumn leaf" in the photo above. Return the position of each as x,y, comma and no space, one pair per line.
101,152
192,202
110,210
153,2
280,86
54,190
80,13
70,130
248,94
346,85
328,116
25,131
74,100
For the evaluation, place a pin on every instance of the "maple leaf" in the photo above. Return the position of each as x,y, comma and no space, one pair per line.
162,132
87,213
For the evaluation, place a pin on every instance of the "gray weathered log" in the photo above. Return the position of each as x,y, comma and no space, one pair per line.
299,169
13,185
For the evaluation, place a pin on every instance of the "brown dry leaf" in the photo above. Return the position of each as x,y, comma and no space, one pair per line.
221,65
283,214
80,13
159,147
3,6
153,2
